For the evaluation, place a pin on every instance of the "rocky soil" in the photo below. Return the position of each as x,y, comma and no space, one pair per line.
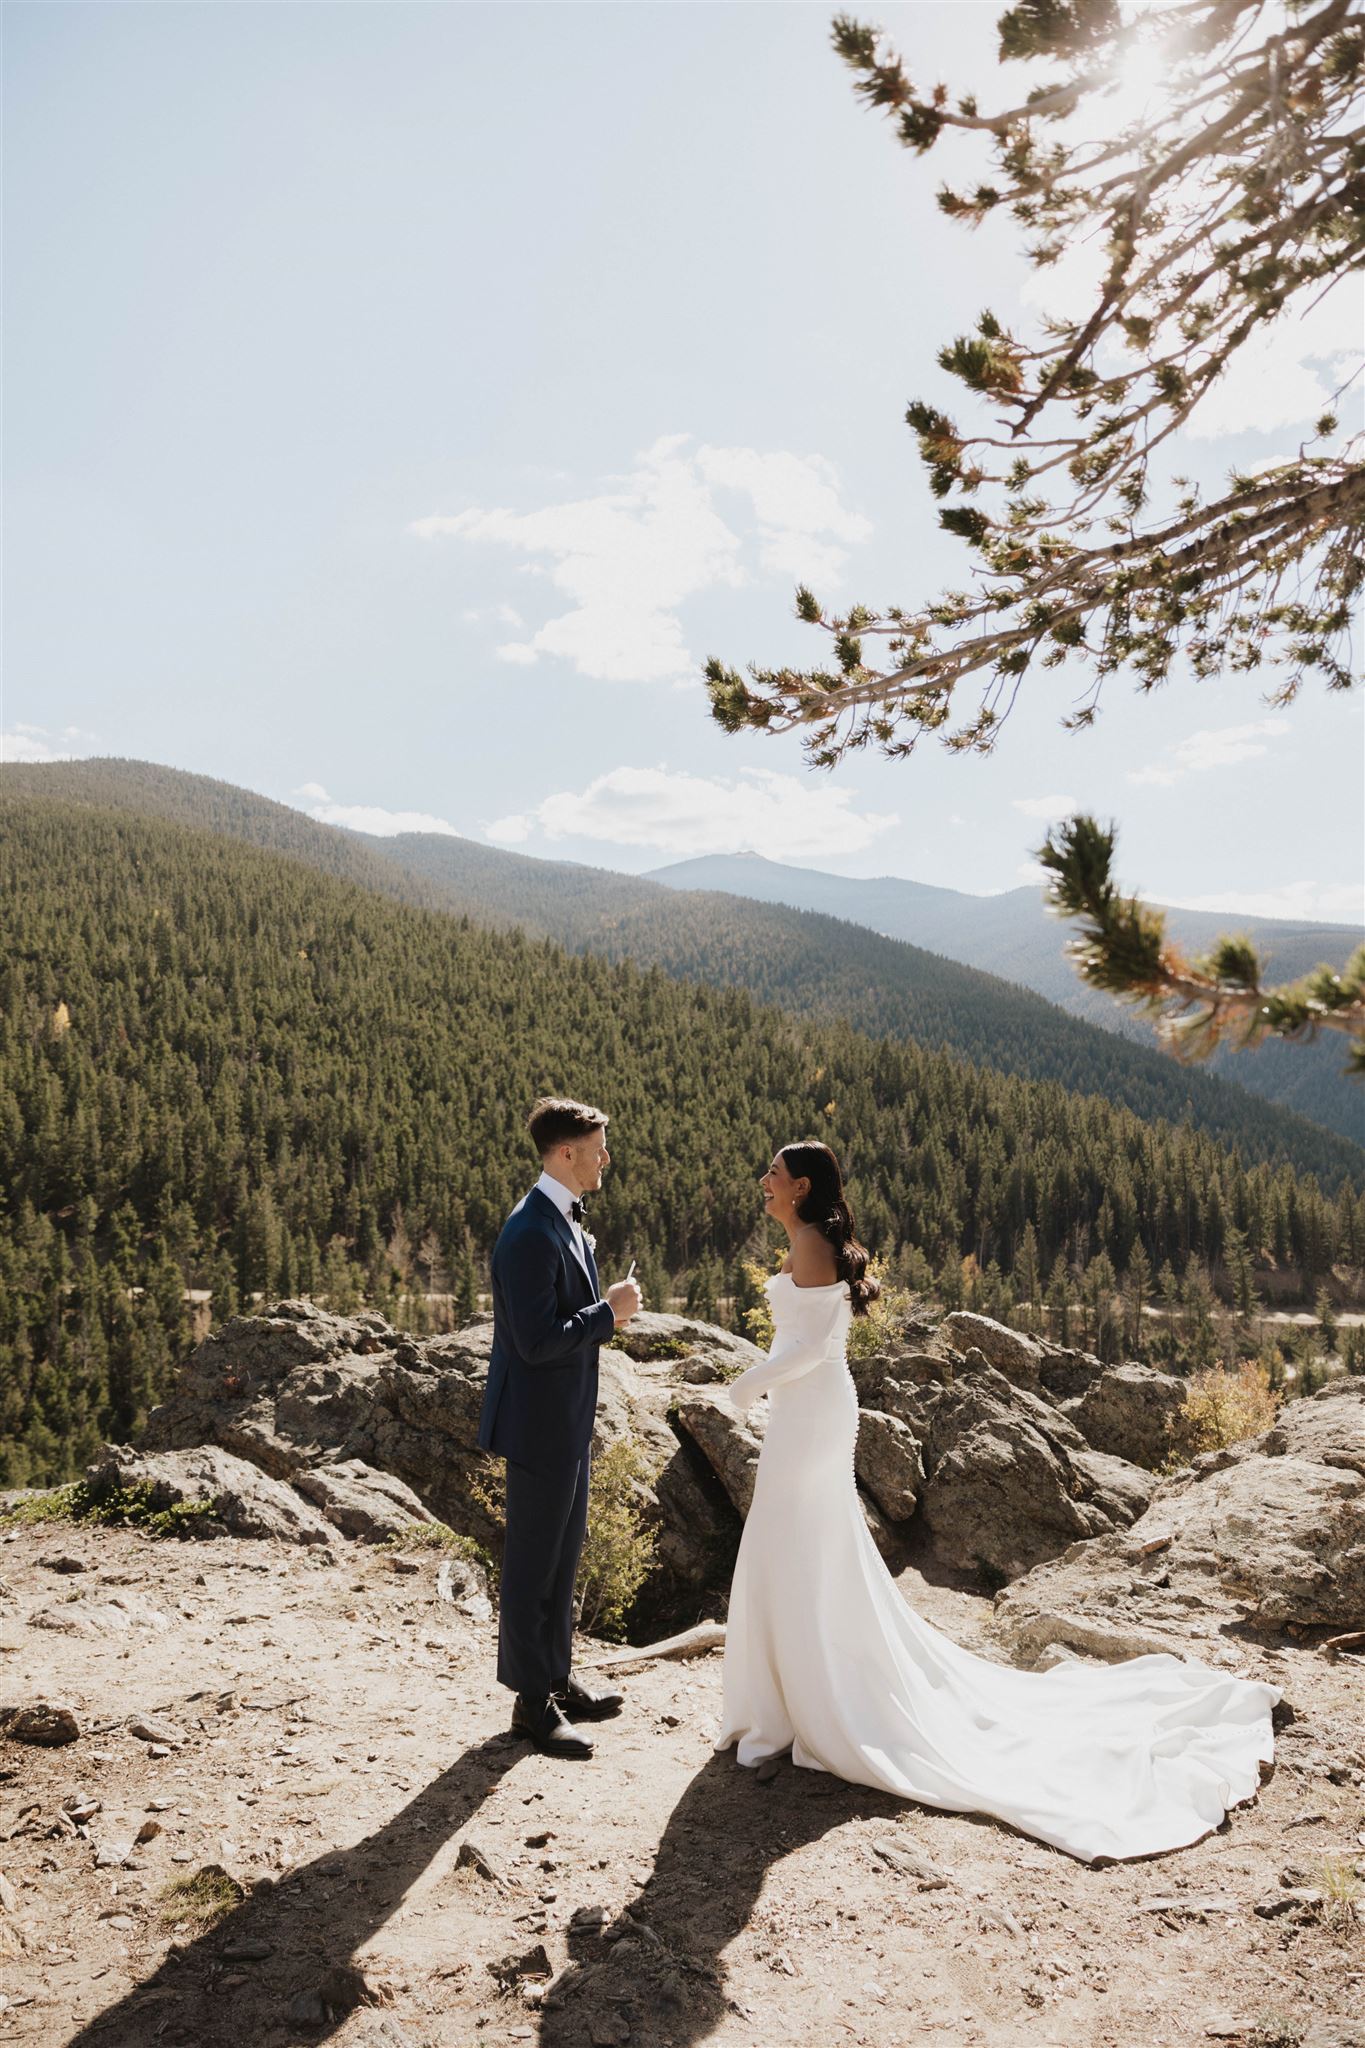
290,1727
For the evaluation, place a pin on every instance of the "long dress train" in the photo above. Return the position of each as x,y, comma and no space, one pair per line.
824,1657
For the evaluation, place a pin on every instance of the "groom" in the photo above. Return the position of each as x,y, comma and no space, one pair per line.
549,1321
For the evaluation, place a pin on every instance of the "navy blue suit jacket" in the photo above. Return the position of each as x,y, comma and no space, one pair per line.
549,1323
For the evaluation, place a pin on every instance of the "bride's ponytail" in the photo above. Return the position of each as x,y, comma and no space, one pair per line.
827,1208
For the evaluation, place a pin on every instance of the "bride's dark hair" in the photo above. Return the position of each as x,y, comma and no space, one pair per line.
826,1206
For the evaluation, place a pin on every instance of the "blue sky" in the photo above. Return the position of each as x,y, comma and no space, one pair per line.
403,401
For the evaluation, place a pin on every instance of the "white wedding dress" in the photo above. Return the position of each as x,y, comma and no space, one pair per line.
823,1657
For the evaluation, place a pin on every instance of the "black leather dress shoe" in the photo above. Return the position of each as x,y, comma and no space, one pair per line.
544,1723
587,1705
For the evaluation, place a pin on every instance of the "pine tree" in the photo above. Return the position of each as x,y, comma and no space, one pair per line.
1060,1300
1027,1272
1241,1274
1325,1311
464,1283
1137,1288
703,1287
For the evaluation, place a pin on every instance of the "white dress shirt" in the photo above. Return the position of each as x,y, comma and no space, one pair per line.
563,1200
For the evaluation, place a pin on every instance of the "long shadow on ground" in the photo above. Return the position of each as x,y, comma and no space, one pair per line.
306,1929
656,1968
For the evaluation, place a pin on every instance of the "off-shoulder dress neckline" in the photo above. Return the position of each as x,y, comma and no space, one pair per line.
827,1287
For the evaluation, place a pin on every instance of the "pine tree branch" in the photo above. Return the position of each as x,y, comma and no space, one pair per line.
1239,199
1124,950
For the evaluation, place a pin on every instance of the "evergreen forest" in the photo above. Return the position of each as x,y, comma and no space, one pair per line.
223,1070
805,962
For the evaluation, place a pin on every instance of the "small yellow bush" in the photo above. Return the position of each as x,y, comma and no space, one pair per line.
1223,1407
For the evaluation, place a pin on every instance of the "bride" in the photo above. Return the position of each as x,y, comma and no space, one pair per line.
824,1658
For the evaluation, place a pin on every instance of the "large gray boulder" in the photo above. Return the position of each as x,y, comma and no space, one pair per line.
1129,1411
1320,1430
237,1498
730,1444
1018,1357
1270,1532
888,1462
370,1506
1008,1481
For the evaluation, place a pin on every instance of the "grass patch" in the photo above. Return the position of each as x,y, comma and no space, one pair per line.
201,1900
649,1350
440,1538
57,1504
121,1506
1342,1890
1274,2030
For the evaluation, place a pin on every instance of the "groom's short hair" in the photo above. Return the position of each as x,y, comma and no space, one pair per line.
557,1120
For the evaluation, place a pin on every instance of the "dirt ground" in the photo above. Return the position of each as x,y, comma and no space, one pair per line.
330,1735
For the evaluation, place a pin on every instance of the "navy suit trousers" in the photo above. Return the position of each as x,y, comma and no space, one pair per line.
547,1519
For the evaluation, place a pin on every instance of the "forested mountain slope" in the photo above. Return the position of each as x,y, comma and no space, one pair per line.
221,1068
809,964
1015,935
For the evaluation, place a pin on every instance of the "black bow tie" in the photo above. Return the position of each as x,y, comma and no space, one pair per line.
576,1211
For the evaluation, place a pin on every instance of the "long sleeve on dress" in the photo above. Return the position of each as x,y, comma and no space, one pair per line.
794,1351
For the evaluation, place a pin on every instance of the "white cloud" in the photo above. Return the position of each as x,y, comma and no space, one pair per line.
500,614
371,818
1045,807
27,744
801,518
1221,746
1317,902
1286,373
509,831
760,811
631,556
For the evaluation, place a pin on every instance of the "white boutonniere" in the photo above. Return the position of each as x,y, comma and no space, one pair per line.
589,1240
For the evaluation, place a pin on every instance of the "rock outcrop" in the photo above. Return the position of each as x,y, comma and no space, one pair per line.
369,1430
233,1497
888,1462
1264,1535
369,1506
1010,1482
730,1444
1010,1452
1018,1357
1129,1411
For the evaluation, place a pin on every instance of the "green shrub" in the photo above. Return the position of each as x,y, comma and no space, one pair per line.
441,1537
55,1505
116,1506
884,1322
618,1551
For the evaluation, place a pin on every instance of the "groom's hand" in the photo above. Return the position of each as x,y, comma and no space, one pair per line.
625,1300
